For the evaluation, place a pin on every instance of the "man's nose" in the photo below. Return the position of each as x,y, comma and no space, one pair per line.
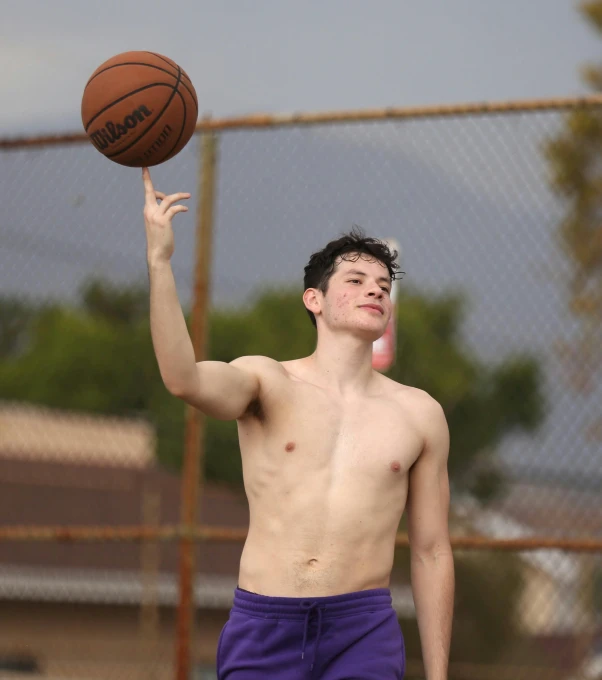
376,291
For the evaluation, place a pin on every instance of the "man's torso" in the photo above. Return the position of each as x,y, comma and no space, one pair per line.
326,478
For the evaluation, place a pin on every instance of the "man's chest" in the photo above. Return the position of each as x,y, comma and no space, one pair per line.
365,433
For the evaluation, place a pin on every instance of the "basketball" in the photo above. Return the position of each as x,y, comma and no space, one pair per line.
139,109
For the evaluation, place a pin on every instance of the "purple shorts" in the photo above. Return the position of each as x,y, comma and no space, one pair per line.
342,637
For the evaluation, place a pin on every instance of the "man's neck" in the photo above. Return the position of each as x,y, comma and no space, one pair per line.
342,364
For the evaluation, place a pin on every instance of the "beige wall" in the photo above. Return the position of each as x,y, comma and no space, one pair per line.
101,641
547,606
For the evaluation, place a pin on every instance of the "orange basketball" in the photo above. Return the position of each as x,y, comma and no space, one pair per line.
139,109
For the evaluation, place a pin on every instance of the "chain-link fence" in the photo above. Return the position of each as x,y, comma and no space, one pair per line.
486,323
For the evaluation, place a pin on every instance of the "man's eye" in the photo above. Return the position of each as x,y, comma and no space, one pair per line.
385,289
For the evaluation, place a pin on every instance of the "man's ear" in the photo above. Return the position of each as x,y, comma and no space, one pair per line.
312,299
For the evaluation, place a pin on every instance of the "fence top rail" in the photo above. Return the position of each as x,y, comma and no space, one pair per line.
167,532
209,124
392,113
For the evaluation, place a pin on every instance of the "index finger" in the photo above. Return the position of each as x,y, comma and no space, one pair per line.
149,190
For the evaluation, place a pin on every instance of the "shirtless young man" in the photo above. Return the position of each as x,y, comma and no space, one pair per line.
332,452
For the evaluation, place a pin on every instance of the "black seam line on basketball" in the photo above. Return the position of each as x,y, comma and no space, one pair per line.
183,122
175,146
159,56
184,74
169,63
157,118
129,63
169,154
125,96
143,63
192,94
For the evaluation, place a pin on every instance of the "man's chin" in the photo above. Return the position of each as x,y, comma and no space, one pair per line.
368,334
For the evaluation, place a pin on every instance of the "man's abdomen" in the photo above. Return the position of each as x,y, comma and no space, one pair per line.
281,566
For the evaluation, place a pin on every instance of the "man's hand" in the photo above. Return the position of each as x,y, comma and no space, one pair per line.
157,220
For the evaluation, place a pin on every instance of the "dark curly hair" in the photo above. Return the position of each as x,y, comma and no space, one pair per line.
349,247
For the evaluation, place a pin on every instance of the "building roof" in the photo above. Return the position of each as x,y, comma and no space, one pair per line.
31,432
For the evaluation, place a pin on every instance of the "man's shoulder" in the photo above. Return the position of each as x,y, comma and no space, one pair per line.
258,364
413,398
424,411
268,371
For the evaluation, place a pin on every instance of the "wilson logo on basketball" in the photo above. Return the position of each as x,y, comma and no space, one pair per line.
113,132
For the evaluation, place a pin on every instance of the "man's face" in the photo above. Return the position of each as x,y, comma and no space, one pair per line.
358,297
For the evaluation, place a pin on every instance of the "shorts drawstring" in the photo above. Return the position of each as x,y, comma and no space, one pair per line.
311,607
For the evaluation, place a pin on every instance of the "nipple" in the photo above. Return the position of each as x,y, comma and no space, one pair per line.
290,446
395,466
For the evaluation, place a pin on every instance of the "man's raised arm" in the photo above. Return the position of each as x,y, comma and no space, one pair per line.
218,389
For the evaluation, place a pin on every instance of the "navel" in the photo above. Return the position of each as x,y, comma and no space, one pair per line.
290,446
395,466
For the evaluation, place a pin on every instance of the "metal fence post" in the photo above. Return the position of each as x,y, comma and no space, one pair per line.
195,422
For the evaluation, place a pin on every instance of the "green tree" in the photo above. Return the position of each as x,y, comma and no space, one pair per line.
576,174
15,318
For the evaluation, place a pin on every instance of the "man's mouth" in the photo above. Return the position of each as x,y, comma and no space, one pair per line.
376,308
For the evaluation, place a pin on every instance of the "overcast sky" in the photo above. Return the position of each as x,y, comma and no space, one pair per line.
285,55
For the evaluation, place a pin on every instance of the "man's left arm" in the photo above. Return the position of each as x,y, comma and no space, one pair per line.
432,565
